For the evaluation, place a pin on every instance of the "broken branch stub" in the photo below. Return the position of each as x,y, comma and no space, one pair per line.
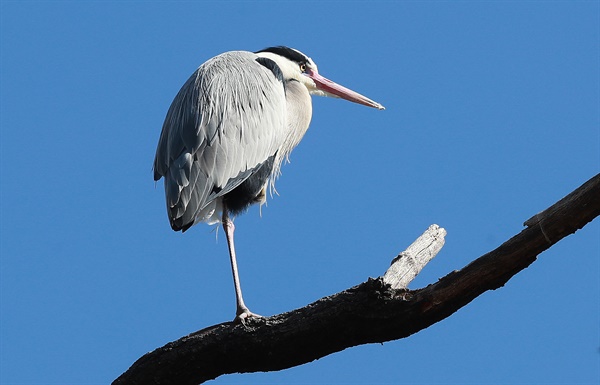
409,263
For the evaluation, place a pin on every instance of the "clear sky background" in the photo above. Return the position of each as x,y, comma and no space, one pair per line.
492,116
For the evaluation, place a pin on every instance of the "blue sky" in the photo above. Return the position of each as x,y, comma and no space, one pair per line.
492,115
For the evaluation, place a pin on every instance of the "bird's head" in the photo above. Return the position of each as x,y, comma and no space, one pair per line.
296,65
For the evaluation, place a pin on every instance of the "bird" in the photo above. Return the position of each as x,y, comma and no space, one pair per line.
228,131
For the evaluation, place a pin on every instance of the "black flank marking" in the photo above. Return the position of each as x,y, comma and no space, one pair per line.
249,192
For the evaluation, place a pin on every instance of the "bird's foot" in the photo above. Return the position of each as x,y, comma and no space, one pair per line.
243,314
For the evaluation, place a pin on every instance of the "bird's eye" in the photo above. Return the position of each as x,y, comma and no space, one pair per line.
302,67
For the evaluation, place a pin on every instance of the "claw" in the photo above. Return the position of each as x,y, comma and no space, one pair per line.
244,314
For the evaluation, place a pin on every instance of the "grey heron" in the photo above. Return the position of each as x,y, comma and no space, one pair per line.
227,132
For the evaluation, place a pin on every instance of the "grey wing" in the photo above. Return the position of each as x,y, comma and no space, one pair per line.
226,121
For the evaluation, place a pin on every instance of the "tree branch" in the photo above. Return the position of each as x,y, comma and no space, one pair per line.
378,310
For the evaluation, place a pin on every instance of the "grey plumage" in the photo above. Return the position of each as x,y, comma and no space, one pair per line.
227,119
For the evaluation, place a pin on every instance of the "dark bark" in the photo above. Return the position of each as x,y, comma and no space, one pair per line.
367,313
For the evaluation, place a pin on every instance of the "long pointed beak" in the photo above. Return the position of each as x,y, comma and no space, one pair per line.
337,90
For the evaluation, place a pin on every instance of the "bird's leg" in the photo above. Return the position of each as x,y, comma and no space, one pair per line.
242,311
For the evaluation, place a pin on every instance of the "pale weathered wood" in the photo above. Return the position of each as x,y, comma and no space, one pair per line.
409,263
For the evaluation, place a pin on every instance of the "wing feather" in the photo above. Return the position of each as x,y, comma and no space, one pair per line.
227,119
